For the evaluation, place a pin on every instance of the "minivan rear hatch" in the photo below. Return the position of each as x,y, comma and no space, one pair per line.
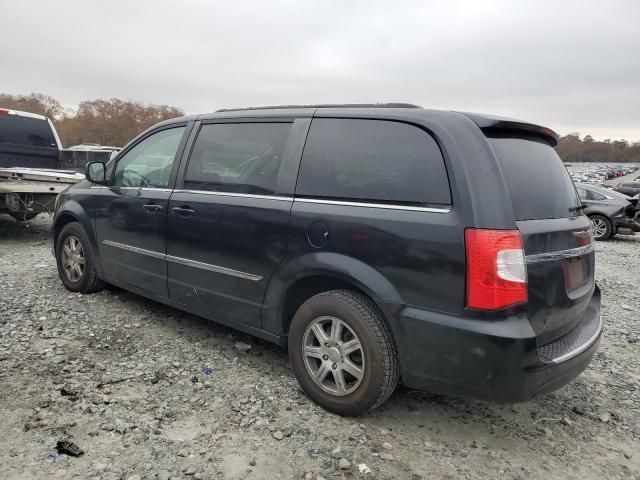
557,236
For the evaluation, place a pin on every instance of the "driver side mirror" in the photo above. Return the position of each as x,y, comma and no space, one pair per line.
96,172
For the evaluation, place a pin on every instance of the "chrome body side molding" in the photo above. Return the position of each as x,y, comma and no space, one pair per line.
185,261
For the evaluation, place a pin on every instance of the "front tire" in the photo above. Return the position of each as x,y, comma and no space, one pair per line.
75,260
342,352
602,227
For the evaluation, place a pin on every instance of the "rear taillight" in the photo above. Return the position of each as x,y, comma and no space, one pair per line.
496,271
4,111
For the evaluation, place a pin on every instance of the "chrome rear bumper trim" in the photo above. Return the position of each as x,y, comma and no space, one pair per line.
560,254
582,347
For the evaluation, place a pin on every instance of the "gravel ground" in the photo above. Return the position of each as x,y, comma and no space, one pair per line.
149,392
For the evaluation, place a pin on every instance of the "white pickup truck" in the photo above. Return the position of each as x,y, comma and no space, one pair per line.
34,168
26,192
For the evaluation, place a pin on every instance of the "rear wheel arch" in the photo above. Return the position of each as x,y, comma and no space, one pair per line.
343,353
315,273
304,288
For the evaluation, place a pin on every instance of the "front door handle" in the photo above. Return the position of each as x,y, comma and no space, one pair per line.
152,207
182,211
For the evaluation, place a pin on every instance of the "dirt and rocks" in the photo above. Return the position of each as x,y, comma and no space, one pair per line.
113,386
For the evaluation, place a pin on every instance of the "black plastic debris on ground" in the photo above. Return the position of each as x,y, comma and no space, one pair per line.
70,448
70,393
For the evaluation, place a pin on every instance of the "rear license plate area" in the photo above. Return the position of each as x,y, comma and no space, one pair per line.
574,273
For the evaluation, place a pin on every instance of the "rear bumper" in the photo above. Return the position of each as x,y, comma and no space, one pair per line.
498,361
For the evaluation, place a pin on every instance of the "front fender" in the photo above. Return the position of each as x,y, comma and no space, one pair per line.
71,210
328,264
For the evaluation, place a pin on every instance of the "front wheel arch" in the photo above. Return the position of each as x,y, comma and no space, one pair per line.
59,224
89,280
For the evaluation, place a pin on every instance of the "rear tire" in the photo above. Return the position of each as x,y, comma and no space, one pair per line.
602,227
76,261
356,365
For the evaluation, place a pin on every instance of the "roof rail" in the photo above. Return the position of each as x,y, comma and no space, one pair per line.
326,105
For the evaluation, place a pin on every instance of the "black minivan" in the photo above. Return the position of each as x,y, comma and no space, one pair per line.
382,243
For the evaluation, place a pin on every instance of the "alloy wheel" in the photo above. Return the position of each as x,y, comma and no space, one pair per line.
333,356
73,259
599,227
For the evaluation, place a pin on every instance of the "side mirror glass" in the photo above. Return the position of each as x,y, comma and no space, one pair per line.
95,172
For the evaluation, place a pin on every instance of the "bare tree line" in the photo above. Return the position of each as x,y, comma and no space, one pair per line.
572,148
106,122
115,122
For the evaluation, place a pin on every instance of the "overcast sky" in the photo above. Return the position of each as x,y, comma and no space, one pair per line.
569,65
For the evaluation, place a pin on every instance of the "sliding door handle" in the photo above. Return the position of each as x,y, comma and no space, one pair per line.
184,211
152,207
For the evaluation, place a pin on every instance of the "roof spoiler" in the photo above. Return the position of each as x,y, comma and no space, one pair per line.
490,123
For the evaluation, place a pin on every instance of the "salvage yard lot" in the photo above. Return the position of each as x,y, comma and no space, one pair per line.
149,392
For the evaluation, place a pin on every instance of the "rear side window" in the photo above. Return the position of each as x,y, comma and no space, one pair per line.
372,160
585,194
596,196
237,157
582,193
538,182
20,130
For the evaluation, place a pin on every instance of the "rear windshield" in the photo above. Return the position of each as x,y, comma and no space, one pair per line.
538,182
20,130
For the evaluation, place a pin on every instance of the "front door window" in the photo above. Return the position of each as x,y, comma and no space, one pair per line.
148,164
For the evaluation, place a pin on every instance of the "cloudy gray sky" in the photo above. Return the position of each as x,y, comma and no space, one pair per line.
570,65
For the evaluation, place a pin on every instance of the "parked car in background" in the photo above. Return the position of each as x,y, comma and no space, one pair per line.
628,188
347,234
610,212
77,156
608,173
